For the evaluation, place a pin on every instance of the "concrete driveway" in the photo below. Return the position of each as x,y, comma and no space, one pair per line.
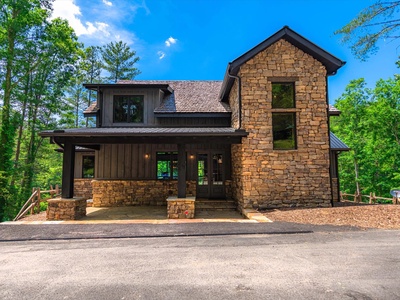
322,264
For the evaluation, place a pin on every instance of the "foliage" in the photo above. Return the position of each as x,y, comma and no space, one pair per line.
376,22
369,125
119,60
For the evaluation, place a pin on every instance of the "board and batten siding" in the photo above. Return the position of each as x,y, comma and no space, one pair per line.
151,100
128,161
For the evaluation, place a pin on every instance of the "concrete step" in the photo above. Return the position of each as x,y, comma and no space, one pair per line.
203,205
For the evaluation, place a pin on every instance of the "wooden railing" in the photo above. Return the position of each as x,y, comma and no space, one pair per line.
357,198
34,201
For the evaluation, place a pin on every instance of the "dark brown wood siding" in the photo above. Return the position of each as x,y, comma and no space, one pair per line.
129,161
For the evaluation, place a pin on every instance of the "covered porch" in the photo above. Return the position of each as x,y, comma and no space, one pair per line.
130,161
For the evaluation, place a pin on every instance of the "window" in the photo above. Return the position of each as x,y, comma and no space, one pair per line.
284,130
167,165
283,116
128,109
283,95
87,166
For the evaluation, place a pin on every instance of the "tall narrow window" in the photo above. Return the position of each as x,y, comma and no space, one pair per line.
283,116
88,166
128,109
167,165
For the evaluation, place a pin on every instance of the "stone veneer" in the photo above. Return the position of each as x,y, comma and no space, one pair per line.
263,177
335,190
83,188
108,193
180,208
65,209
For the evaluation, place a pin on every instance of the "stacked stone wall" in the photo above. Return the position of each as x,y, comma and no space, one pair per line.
66,209
108,193
335,190
180,208
83,188
264,177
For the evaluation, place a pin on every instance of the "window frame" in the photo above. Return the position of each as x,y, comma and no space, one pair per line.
93,157
293,85
293,130
289,111
173,158
128,115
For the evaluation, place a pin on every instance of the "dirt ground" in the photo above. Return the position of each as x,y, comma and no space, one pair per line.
384,216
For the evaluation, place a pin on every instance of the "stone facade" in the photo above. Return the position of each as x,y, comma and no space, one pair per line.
180,208
335,190
108,193
65,209
264,177
83,188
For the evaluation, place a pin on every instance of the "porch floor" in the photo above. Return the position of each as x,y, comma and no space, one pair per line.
152,213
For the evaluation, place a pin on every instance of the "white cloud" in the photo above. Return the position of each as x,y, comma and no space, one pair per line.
170,41
67,9
108,3
160,54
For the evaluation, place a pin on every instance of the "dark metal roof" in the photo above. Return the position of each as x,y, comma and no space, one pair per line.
121,84
336,144
331,62
144,131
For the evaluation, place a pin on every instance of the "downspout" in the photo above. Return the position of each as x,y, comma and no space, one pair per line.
239,96
329,138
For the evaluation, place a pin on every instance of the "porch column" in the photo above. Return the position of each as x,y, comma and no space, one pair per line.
181,171
68,171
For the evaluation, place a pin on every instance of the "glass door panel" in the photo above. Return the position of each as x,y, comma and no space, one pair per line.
202,169
217,169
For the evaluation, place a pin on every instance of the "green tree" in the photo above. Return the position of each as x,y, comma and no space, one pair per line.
119,61
376,22
16,20
350,127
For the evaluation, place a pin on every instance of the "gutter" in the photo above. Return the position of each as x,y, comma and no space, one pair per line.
239,94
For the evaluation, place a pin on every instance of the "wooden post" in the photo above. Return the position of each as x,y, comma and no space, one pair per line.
181,171
374,200
68,171
370,198
57,190
33,201
38,201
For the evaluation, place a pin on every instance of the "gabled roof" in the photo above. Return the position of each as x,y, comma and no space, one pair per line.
180,96
331,62
336,144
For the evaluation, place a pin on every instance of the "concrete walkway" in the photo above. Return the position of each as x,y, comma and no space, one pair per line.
148,215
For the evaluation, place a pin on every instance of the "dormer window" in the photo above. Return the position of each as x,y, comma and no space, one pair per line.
128,108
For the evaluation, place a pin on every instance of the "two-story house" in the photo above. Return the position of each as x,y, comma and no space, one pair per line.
260,137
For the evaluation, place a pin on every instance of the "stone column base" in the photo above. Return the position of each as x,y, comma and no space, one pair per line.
180,208
66,209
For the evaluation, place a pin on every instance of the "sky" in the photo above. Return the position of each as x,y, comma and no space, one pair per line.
196,39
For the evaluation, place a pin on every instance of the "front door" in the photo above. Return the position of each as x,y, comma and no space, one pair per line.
210,175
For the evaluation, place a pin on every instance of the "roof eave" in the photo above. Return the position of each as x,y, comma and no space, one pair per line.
331,62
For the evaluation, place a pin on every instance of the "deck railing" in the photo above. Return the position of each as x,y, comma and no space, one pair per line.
34,201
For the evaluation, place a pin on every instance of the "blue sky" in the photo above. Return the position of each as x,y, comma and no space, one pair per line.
196,39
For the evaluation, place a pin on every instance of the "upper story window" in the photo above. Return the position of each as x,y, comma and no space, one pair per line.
283,95
128,108
283,116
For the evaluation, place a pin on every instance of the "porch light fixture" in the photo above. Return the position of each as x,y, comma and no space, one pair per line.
191,156
147,156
